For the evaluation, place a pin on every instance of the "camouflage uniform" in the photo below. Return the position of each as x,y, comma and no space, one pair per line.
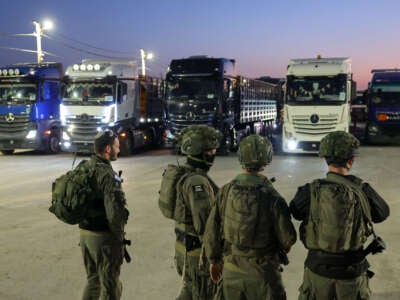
101,237
197,191
253,271
336,268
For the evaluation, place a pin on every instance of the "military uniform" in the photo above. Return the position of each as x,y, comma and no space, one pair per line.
324,278
102,234
197,191
337,214
252,271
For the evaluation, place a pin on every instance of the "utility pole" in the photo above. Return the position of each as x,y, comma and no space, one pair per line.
39,27
144,56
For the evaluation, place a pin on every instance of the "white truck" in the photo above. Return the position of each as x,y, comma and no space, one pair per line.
98,95
317,101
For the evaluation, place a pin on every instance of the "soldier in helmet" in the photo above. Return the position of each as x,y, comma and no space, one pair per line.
337,214
197,193
249,230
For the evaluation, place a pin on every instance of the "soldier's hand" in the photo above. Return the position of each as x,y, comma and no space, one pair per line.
216,271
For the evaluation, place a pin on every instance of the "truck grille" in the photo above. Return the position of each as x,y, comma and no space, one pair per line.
19,125
180,121
84,127
308,124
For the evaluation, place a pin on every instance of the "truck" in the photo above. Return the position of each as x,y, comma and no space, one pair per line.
206,90
30,107
383,106
109,94
317,101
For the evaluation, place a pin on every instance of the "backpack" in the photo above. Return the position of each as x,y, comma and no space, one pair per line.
72,194
336,221
247,214
168,195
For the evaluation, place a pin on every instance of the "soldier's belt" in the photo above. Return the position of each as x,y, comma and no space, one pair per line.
191,242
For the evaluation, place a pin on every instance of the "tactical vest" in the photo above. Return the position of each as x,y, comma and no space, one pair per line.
247,219
336,221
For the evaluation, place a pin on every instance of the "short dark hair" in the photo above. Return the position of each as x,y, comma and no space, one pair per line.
103,139
337,162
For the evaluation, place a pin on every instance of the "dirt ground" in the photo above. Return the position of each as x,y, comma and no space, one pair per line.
40,258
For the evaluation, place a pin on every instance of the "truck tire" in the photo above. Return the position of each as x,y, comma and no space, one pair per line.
53,144
7,152
126,146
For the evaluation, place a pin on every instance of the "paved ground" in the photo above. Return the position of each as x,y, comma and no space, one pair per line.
40,258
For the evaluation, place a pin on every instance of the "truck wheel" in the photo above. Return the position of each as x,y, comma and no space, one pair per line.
53,145
126,146
7,152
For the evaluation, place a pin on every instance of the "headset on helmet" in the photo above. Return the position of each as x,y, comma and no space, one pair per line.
255,151
338,145
196,139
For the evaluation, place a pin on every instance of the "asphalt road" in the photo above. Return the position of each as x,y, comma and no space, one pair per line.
40,257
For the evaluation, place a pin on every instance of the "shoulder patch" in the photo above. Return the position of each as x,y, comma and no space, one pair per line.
198,188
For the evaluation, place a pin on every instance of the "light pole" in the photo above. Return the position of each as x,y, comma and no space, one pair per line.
39,27
144,56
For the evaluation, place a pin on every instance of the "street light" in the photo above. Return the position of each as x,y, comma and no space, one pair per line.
39,27
144,57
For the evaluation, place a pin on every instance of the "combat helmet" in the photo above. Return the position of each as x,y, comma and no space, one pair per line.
338,146
254,152
196,139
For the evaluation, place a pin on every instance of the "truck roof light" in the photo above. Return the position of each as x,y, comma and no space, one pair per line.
75,67
4,72
90,67
11,71
16,72
96,67
82,67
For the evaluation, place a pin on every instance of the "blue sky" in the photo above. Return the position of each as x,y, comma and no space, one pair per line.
261,35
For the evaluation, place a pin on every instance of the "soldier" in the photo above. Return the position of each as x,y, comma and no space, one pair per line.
249,230
102,234
337,214
196,194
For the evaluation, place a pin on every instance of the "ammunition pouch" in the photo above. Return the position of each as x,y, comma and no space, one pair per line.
191,242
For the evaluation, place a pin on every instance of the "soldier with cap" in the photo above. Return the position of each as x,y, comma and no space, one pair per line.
196,194
337,213
102,233
249,230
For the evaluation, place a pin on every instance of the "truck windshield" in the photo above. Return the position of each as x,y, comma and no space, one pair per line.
88,93
198,88
322,90
387,99
18,93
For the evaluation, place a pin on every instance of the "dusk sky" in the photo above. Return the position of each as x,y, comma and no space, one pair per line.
261,35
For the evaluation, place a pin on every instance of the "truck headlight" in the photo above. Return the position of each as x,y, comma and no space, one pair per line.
292,144
31,134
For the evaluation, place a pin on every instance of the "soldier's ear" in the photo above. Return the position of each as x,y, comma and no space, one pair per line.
350,162
107,149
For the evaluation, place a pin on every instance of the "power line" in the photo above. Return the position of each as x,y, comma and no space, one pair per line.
82,50
89,45
29,51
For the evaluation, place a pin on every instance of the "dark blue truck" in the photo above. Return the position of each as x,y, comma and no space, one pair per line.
30,107
383,105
